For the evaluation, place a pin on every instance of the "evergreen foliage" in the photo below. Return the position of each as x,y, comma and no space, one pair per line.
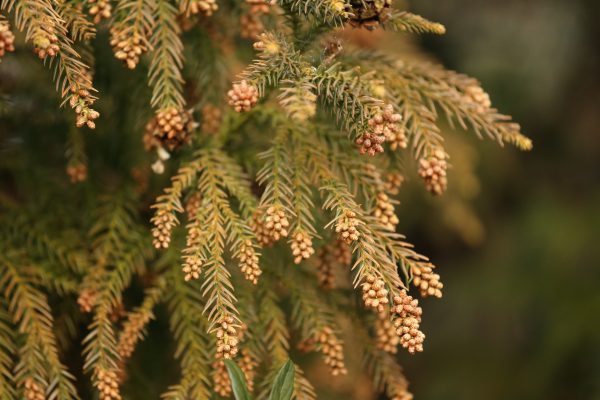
302,167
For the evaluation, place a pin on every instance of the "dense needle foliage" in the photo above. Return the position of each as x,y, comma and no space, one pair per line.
277,226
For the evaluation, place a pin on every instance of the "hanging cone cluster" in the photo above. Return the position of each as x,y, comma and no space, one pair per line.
427,281
333,350
7,38
33,391
385,122
385,212
369,14
164,221
276,223
192,206
408,319
302,247
87,300
248,365
192,267
131,333
221,380
250,26
127,46
260,6
371,143
479,97
211,119
249,262
100,9
433,170
203,7
81,100
375,295
393,182
227,339
258,227
385,333
329,257
242,96
173,127
77,172
345,227
107,385
45,44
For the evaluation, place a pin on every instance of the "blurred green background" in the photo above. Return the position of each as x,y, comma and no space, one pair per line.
520,317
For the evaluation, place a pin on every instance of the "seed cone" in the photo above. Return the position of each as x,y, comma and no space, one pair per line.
242,97
433,171
408,318
375,295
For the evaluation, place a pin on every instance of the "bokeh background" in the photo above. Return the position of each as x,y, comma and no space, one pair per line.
520,317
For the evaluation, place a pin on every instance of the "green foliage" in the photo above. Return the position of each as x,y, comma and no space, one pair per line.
238,182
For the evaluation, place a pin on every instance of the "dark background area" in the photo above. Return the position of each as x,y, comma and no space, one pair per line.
520,313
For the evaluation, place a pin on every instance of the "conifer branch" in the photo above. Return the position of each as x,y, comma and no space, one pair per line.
81,28
404,21
8,350
331,12
43,25
31,313
192,345
164,72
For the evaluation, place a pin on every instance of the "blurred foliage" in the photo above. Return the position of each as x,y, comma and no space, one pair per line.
519,317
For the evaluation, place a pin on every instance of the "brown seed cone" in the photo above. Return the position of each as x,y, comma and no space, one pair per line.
192,205
80,100
369,14
174,127
385,122
242,96
192,266
433,171
44,44
164,221
258,226
393,182
259,6
302,247
249,262
100,9
7,38
345,227
385,212
221,380
107,384
77,172
87,300
127,46
32,390
251,26
203,7
227,339
333,350
386,336
131,333
408,318
427,281
247,365
480,97
276,223
211,119
371,143
375,295
328,258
